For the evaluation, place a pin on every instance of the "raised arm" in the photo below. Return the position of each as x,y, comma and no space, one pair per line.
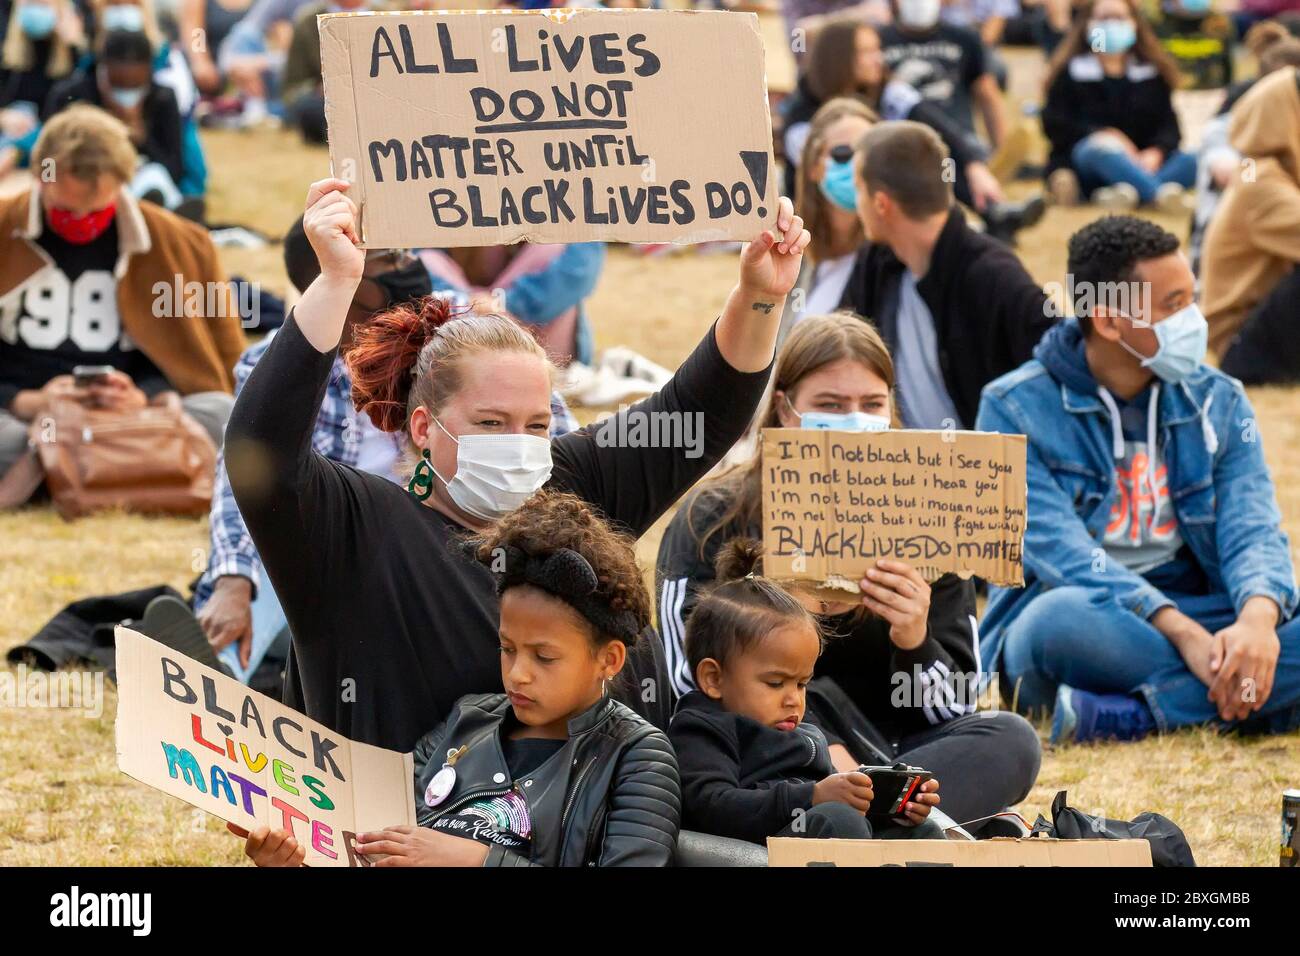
769,266
635,465
330,224
287,494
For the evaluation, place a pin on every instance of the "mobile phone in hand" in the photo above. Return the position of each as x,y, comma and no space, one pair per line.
893,787
83,376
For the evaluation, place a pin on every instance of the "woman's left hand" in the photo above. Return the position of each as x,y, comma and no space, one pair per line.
918,808
769,265
420,846
896,592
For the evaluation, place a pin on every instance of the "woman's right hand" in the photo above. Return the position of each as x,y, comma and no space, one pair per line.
330,221
267,847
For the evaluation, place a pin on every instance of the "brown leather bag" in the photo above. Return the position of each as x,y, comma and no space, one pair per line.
156,460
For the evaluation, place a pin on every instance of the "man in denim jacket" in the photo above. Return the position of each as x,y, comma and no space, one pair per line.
1159,590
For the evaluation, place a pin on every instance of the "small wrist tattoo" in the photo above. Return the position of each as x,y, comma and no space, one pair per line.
764,307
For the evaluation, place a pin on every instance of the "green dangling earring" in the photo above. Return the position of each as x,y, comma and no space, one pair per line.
421,484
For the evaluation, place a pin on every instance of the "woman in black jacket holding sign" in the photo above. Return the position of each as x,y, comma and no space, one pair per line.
903,663
391,625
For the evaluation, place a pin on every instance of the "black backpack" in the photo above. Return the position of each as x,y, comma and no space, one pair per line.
1169,846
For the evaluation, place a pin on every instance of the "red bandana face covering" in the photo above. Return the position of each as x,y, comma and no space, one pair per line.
80,230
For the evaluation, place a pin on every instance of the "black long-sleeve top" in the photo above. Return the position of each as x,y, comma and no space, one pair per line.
741,779
391,622
162,116
1083,100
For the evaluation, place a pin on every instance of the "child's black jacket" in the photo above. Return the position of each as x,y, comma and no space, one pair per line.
739,778
608,797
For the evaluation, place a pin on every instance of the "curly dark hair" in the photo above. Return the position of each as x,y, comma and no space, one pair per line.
1108,250
553,520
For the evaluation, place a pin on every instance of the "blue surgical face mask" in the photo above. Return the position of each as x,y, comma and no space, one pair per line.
1112,36
838,186
1182,339
123,16
1195,6
37,20
845,422
128,97
840,421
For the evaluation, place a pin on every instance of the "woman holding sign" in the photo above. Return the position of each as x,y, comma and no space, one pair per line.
391,624
904,665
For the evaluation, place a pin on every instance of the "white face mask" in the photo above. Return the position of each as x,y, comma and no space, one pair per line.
495,474
919,14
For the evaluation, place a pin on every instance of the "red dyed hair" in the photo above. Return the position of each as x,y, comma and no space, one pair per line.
408,356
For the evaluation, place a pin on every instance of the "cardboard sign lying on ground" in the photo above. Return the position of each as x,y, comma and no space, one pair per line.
472,128
836,501
791,851
194,733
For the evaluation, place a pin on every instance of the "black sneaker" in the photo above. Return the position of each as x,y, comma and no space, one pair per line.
1003,220
169,620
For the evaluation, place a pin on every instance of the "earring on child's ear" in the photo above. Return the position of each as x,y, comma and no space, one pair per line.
604,687
421,484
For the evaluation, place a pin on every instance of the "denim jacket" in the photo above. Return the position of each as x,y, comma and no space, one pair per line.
1219,485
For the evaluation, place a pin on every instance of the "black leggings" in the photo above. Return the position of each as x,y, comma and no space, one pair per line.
984,762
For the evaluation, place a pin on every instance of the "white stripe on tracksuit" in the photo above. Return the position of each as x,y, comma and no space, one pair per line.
939,697
673,629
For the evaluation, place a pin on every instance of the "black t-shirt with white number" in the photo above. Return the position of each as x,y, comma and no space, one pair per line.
67,316
942,66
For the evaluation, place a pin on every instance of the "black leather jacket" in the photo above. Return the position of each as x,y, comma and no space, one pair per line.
610,797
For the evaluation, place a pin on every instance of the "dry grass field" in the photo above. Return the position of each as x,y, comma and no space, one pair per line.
62,800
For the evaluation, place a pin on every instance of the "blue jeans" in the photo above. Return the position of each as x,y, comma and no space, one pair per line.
1102,162
268,622
1084,638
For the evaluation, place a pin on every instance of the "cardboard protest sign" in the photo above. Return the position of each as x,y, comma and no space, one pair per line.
192,732
472,128
1001,851
836,501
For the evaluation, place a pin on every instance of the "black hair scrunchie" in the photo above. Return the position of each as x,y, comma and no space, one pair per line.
567,575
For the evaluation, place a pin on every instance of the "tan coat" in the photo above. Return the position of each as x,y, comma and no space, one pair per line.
159,254
1254,237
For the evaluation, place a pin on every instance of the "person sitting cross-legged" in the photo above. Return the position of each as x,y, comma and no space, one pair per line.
1159,586
90,276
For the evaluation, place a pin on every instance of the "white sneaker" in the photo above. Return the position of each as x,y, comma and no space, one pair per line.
600,387
254,113
624,362
1120,197
1173,199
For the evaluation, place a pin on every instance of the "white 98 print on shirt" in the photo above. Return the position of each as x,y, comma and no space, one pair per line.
51,310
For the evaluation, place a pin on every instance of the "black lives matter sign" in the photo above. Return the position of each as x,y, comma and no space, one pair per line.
485,127
835,502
